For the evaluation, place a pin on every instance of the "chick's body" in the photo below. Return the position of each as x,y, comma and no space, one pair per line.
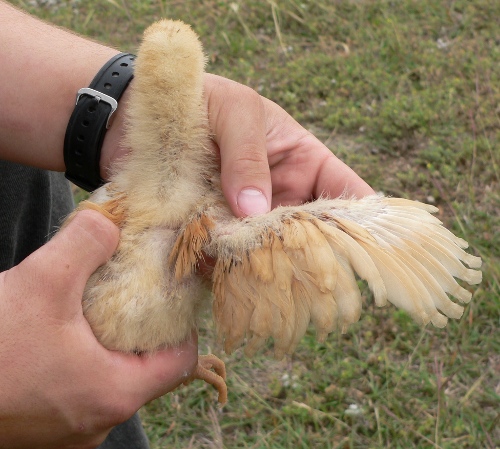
151,299
133,303
274,274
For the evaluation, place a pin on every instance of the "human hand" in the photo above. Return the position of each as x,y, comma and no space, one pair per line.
59,387
263,149
261,146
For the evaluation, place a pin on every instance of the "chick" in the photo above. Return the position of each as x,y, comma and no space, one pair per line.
274,274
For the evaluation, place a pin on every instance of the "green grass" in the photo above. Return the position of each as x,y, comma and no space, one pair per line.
407,92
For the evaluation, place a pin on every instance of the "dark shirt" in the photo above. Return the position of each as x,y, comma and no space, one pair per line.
33,203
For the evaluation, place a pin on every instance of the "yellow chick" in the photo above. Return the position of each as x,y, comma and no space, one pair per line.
274,274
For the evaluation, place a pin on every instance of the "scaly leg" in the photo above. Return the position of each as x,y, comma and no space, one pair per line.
216,378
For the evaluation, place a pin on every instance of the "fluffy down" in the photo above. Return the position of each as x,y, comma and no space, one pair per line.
274,274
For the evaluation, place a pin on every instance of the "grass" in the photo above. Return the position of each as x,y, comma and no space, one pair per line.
407,92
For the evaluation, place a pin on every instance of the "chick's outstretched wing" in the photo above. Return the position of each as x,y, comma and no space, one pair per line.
276,273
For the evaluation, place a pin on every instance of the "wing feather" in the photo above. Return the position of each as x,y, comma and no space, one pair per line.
299,266
343,244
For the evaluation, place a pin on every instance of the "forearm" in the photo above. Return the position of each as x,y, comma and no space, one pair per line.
42,69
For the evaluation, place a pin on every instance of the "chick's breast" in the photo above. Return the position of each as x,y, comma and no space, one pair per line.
133,303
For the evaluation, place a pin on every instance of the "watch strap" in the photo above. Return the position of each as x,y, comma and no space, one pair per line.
90,119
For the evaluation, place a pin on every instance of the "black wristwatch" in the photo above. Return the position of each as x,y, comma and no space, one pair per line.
91,118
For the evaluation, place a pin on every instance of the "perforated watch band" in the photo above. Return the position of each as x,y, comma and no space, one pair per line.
91,118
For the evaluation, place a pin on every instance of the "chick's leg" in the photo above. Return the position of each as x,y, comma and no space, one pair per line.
216,378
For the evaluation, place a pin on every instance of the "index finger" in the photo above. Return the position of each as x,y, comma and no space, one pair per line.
335,178
237,119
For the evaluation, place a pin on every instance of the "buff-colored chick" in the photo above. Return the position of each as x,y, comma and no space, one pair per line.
274,274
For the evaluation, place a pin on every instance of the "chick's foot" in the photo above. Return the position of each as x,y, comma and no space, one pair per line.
216,378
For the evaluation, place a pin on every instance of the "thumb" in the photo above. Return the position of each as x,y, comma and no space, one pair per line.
237,118
76,251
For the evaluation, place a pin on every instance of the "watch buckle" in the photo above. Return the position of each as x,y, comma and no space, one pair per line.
99,96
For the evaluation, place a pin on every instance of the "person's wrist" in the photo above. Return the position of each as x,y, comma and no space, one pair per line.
96,107
112,146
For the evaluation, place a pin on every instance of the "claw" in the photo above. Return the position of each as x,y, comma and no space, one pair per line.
216,378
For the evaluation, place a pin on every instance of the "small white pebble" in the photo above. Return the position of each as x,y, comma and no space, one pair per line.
442,43
353,410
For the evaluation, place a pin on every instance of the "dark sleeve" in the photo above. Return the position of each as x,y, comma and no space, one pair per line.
33,203
128,435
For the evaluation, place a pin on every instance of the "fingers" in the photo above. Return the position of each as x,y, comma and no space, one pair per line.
69,259
151,376
336,178
48,333
303,167
237,119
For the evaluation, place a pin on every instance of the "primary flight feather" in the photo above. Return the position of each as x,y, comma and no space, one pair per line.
274,274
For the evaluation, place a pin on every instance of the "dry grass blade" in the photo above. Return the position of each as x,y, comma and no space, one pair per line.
409,429
274,12
320,414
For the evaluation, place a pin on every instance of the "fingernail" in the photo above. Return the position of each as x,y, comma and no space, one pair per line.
252,202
